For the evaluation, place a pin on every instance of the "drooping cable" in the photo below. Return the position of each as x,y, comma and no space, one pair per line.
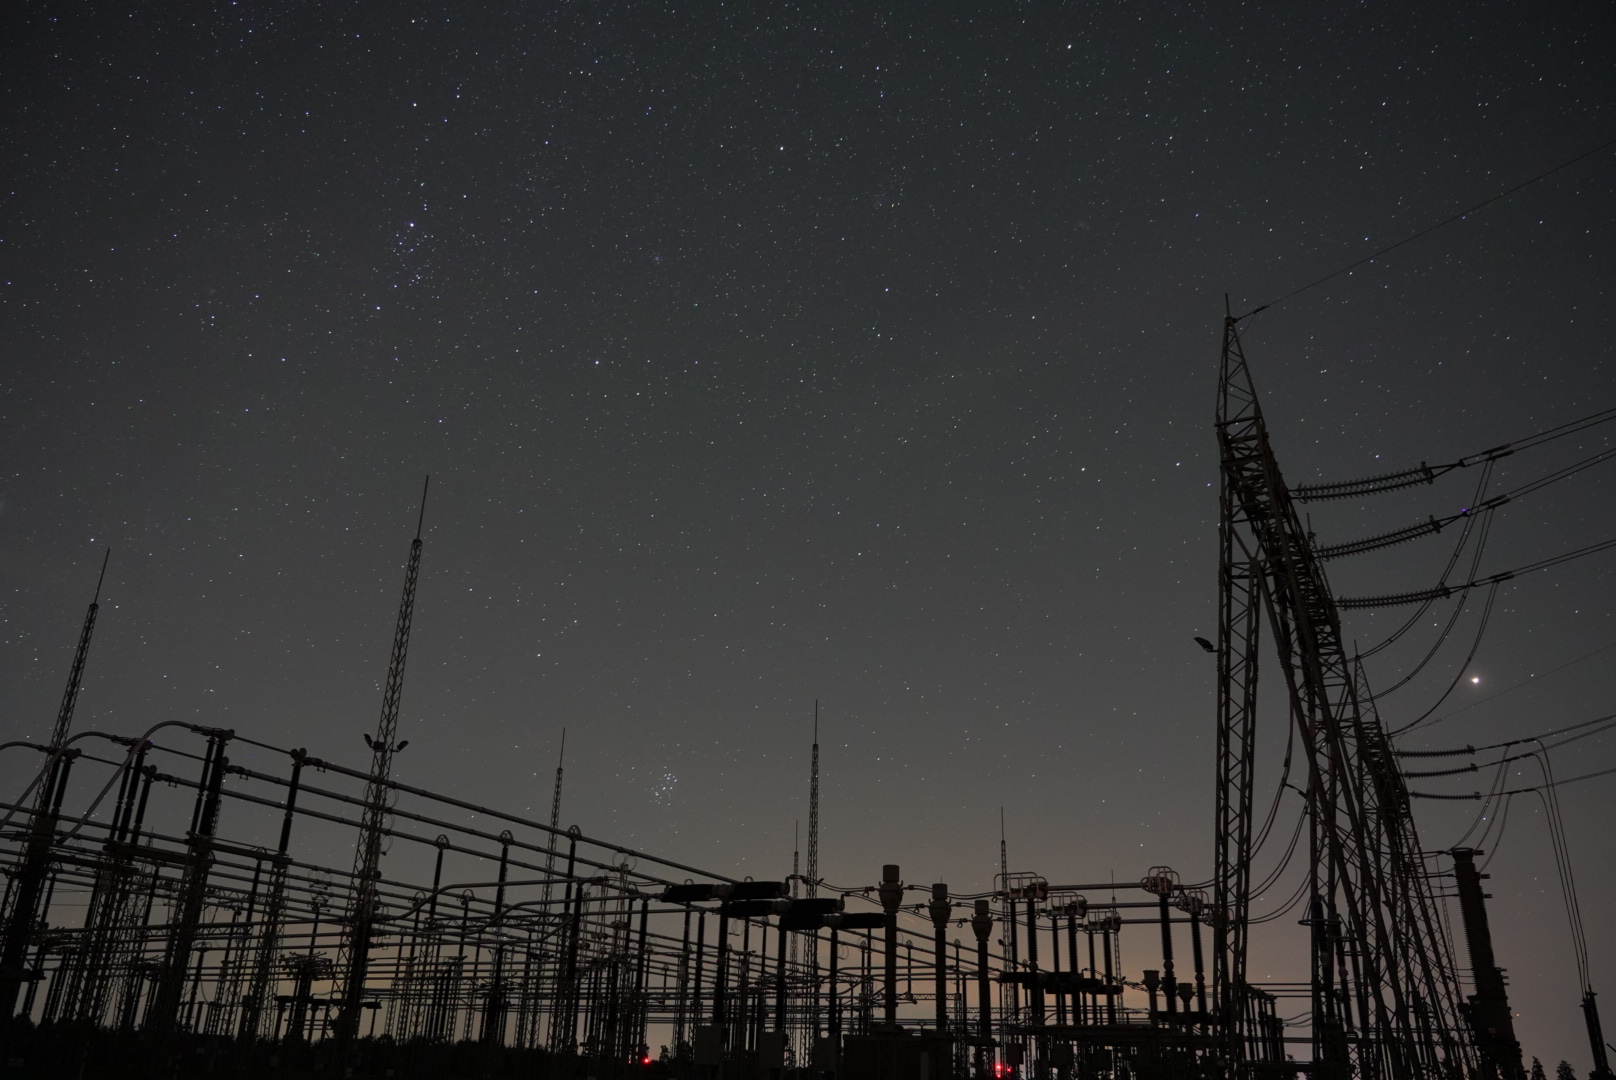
1513,791
1453,560
1481,815
1425,474
1474,767
1434,525
1279,792
1453,617
1349,603
1562,862
1288,905
1481,630
1285,860
1494,841
1466,750
1524,682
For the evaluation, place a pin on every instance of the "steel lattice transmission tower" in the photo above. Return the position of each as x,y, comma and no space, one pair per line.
1385,993
379,796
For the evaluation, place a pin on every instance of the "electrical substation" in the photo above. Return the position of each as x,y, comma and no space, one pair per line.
168,911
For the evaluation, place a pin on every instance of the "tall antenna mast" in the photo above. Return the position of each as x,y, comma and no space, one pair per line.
1004,852
813,811
555,819
796,884
75,678
362,905
29,882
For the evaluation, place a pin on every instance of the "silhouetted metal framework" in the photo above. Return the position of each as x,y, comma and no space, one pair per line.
1384,996
378,802
223,920
187,899
28,884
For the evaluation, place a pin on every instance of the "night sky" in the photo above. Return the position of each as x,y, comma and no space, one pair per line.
762,354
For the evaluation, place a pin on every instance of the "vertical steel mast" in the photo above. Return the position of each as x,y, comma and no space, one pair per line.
812,869
30,879
1240,436
75,678
379,798
813,811
555,821
554,960
1382,962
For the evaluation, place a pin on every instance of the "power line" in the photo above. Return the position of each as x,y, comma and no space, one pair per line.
1467,750
1481,629
1426,474
1515,791
1474,767
1435,524
1442,592
1524,682
1432,228
1453,560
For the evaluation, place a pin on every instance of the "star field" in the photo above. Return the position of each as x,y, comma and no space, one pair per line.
764,354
